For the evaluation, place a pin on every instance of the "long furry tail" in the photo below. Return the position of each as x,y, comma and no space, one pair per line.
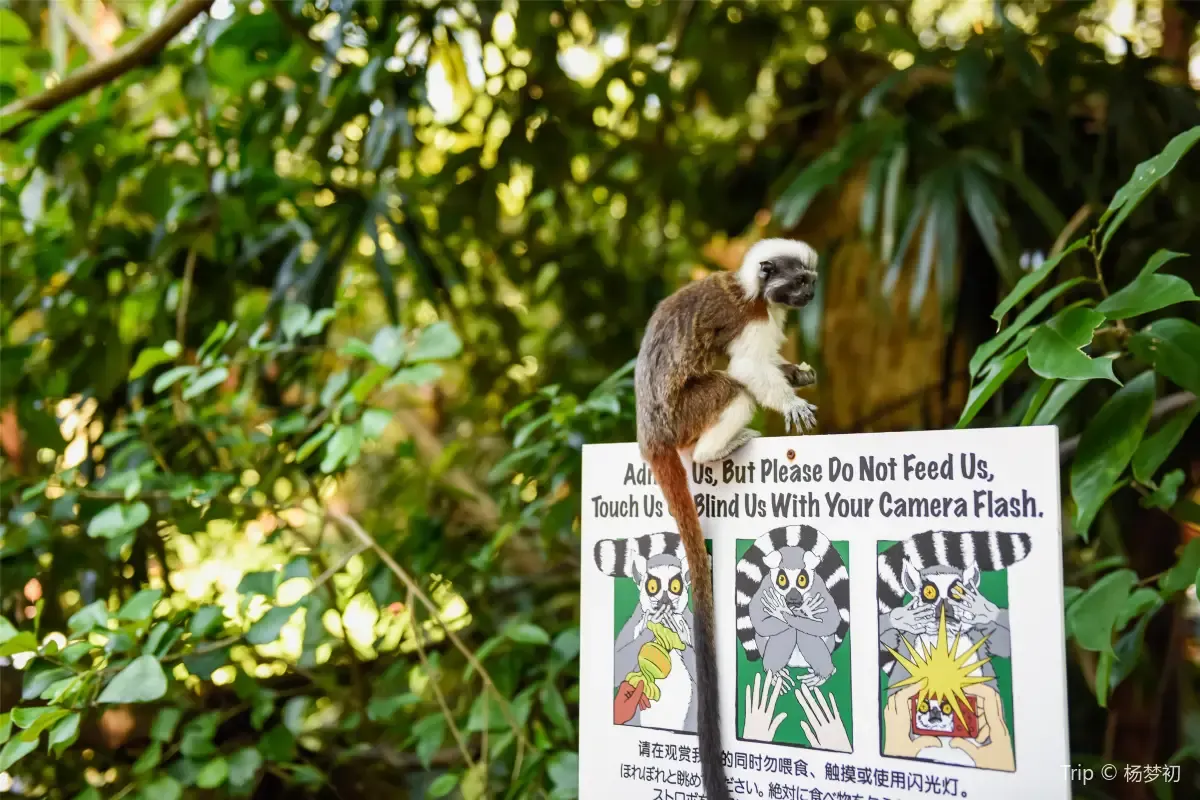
672,479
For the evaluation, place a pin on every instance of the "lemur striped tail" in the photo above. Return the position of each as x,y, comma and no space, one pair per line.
752,568
614,557
990,550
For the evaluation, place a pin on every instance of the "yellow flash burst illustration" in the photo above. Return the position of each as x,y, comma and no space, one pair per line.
943,674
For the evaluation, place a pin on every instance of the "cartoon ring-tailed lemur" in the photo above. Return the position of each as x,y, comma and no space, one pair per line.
793,603
941,570
657,564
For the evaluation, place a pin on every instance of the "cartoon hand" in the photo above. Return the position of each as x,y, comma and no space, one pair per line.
679,625
772,604
628,700
978,608
912,618
824,727
992,747
813,607
801,414
782,676
897,726
760,723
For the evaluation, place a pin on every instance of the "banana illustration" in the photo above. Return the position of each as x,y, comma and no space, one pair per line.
654,660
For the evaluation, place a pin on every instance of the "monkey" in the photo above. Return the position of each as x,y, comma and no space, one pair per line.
793,603
940,570
683,402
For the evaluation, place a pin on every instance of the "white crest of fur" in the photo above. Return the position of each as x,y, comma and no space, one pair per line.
766,250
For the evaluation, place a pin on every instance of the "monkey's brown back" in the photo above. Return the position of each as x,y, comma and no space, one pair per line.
686,336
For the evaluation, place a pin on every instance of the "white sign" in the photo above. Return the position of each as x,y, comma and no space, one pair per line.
889,620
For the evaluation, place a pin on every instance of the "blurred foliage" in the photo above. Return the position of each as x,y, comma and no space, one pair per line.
306,319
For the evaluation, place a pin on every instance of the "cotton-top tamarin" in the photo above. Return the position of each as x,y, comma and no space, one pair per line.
684,402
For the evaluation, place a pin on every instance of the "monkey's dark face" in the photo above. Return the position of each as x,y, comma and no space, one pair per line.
787,281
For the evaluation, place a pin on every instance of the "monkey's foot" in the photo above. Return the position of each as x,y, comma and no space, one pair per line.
799,376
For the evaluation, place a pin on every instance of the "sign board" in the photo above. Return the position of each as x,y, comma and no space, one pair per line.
889,620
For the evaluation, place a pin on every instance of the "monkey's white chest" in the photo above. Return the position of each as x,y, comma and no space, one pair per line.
671,708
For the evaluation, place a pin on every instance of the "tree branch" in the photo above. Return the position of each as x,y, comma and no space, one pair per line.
131,55
1167,405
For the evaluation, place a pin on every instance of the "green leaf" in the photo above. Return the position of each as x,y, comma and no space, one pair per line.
171,377
1039,398
296,568
23,642
1107,444
1183,574
214,377
556,710
263,582
14,751
375,422
118,519
219,336
1093,616
1054,349
206,621
970,81
443,785
7,630
387,348
988,216
93,615
992,346
343,447
147,360
1033,280
293,319
1155,449
1142,600
1145,294
244,766
318,322
164,788
1172,347
5,726
65,733
150,758
140,606
203,665
527,633
143,681
213,774
563,772
1145,177
993,379
13,29
1159,260
418,375
357,348
1063,393
1167,492
435,343
315,441
164,723
267,628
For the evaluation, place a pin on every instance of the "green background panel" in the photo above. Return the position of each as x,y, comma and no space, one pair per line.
789,731
993,586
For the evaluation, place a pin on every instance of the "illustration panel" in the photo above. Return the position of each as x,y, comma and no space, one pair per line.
792,600
945,659
654,660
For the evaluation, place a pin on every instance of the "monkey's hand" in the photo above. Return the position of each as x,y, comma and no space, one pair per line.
814,679
781,676
799,376
911,618
801,414
977,609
